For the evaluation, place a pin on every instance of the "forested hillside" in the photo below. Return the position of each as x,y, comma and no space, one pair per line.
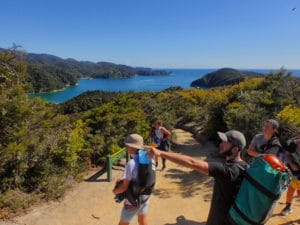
43,146
48,72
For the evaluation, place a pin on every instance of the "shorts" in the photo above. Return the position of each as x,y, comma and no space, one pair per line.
128,214
295,183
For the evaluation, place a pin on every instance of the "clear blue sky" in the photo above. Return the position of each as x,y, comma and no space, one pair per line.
158,33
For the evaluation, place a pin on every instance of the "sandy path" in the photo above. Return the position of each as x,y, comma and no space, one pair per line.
181,197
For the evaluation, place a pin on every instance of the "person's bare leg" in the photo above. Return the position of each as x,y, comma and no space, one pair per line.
123,223
142,219
289,198
290,194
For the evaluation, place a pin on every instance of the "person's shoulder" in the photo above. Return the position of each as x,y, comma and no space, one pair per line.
216,162
235,163
165,128
133,161
242,164
259,135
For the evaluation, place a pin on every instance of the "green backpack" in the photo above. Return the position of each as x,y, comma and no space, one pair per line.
260,190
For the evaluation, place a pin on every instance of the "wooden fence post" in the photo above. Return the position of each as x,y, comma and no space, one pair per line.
109,168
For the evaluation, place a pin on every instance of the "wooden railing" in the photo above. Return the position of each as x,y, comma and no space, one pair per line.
113,159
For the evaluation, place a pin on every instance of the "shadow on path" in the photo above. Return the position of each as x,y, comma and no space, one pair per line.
95,177
181,220
190,182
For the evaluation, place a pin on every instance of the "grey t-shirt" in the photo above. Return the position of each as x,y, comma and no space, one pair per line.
260,143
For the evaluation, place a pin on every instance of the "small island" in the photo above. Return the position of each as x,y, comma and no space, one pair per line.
223,77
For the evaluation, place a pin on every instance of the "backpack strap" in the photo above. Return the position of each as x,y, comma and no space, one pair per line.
244,216
273,142
261,188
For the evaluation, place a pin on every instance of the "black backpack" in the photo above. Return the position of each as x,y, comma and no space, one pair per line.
140,189
273,142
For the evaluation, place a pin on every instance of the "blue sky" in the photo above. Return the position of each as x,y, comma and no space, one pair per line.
158,33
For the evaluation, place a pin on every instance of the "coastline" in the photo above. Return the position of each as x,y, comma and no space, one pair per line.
55,90
179,77
85,78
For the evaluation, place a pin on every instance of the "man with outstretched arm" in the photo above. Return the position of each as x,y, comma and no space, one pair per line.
227,173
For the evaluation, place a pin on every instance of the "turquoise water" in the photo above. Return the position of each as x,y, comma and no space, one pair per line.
178,77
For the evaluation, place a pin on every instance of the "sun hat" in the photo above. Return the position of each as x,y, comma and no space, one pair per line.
135,141
235,137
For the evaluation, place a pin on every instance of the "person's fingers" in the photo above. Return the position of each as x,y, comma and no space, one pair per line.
147,147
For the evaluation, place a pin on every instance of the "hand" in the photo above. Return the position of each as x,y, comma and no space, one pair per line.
118,183
152,151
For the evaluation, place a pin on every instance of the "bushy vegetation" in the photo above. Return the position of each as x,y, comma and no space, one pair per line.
43,145
39,147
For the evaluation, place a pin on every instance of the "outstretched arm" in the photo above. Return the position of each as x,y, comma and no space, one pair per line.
184,160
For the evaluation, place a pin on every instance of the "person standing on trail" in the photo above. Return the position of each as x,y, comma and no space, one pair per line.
227,173
266,142
137,182
292,149
160,136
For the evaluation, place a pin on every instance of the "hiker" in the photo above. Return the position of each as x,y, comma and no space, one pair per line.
266,142
227,173
293,161
160,136
135,174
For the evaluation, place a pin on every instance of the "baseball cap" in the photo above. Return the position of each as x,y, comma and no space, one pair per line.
135,141
234,137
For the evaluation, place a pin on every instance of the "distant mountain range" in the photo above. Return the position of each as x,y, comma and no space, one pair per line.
48,72
224,76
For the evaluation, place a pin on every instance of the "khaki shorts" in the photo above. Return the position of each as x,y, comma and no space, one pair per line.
295,183
129,213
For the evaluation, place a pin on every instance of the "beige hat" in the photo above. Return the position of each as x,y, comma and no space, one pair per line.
235,137
135,141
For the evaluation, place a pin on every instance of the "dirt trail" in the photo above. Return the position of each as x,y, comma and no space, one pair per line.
181,197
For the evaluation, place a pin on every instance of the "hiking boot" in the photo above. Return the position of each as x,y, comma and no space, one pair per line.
286,210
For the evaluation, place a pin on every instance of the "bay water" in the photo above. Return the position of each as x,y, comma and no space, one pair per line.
178,77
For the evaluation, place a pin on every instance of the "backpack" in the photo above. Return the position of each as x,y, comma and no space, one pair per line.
259,192
273,142
140,189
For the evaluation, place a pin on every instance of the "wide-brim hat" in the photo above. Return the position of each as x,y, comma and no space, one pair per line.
135,141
